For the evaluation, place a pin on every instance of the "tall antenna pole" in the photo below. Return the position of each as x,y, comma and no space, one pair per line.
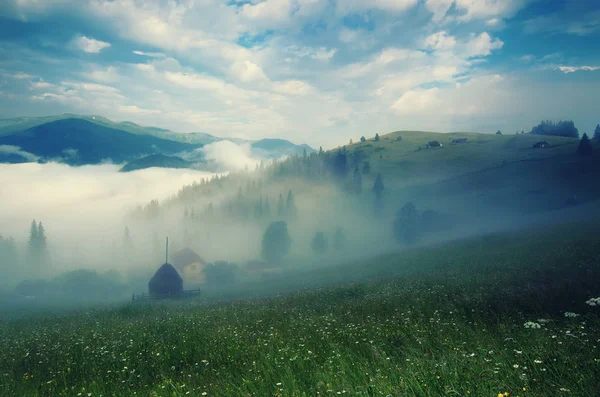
167,254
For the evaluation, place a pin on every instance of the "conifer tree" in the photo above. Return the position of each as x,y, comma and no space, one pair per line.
366,168
280,206
377,138
378,189
267,208
378,186
290,206
597,132
406,224
357,181
339,240
585,146
319,243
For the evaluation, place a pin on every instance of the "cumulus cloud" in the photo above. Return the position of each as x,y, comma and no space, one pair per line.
89,45
482,45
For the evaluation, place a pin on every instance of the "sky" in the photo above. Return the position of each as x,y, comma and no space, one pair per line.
311,71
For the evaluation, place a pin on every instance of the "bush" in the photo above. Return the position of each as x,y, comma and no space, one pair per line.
220,273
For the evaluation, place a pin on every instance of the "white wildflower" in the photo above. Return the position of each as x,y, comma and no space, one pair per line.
532,325
571,315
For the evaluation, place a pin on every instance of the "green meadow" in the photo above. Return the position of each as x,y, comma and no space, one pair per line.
502,314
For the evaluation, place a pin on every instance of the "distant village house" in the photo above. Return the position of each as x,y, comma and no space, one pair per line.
190,265
541,144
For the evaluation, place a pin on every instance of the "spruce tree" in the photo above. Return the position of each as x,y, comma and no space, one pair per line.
378,186
366,168
357,181
378,189
406,224
597,132
280,206
290,207
319,243
377,138
276,242
267,208
585,146
339,240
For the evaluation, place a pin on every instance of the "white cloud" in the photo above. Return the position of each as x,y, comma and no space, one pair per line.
89,45
20,76
440,41
230,155
418,101
493,11
150,54
247,71
345,7
103,75
133,109
482,45
10,149
41,85
571,69
267,14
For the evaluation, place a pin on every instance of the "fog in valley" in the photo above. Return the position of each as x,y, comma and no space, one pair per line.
104,231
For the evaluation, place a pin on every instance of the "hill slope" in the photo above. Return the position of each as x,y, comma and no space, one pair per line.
78,142
269,148
156,160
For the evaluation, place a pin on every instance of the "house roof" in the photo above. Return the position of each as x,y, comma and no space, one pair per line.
184,257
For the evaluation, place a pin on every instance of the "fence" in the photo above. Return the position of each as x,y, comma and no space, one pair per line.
185,294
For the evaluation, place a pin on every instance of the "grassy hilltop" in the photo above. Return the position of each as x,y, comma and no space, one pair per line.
473,311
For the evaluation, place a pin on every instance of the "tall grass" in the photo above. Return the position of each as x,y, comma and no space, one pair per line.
448,320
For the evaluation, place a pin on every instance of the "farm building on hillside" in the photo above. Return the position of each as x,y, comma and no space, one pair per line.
165,282
434,144
190,265
541,144
460,140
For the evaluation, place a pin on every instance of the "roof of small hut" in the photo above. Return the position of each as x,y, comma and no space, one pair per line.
166,273
185,256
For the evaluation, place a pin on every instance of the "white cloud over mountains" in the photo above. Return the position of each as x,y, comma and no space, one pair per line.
319,70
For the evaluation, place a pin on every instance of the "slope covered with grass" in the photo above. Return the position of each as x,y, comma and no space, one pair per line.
479,317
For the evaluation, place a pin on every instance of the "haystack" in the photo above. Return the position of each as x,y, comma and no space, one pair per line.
166,282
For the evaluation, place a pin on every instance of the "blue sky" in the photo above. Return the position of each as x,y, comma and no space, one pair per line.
315,71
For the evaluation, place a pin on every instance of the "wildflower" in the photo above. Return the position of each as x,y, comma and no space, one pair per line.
571,315
593,301
532,325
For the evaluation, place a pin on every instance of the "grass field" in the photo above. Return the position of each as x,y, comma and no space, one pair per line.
447,320
403,160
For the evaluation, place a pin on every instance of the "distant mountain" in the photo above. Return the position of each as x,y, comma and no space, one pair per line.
79,142
279,147
157,160
91,139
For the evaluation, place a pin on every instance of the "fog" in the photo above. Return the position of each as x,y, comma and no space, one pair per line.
86,210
